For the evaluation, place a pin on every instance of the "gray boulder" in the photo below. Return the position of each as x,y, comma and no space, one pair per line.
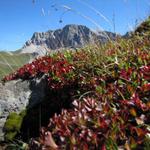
16,96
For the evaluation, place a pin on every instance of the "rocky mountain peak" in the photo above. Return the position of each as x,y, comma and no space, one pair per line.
70,36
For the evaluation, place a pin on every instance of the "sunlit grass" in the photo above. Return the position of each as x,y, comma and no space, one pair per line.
11,62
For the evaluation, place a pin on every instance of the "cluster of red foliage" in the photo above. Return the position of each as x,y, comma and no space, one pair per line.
117,117
117,114
145,70
56,70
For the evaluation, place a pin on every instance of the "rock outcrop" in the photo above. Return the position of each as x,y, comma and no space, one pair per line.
71,36
16,96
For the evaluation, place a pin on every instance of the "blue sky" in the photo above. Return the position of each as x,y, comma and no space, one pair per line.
19,19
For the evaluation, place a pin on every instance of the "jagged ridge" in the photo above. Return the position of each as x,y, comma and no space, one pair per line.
71,36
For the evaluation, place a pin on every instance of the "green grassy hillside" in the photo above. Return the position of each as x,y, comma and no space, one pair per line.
9,62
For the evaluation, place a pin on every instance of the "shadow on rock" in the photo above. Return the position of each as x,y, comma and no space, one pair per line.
43,104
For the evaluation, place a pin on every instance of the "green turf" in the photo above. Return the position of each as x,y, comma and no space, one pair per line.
9,63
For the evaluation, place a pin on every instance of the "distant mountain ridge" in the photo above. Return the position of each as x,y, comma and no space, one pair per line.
71,36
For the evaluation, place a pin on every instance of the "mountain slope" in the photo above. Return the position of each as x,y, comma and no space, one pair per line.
71,36
10,62
141,30
144,27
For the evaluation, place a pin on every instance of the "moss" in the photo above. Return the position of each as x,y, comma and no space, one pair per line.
13,124
10,135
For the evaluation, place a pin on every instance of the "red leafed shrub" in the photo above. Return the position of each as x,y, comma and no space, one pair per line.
145,71
117,117
94,123
56,70
112,99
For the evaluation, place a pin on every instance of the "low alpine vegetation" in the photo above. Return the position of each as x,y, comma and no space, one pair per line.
112,99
